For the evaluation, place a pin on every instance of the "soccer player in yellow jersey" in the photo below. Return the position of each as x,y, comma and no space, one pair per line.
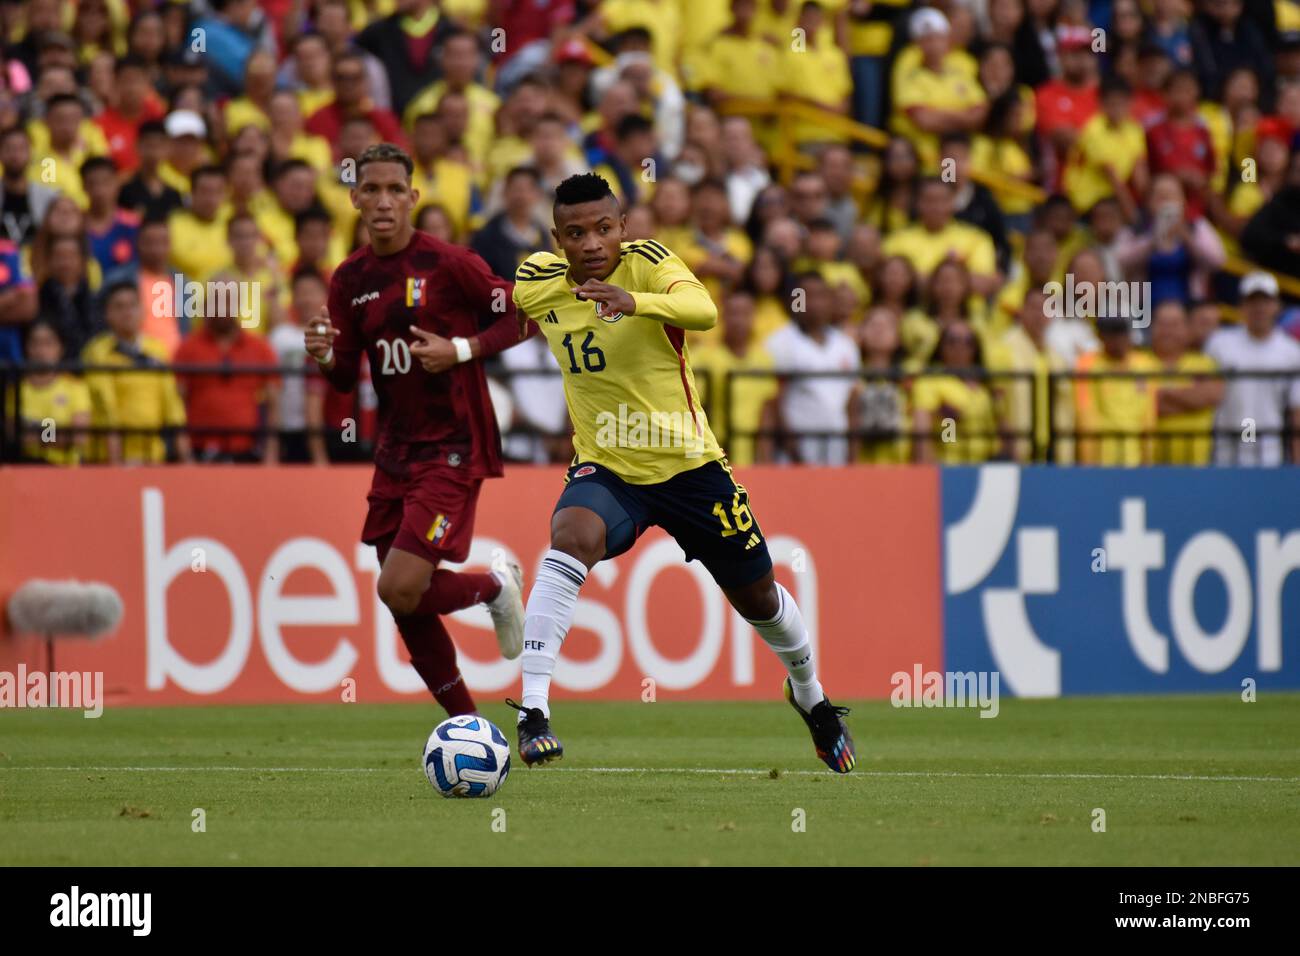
615,315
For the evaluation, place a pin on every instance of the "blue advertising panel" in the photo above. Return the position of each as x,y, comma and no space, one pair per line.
1097,581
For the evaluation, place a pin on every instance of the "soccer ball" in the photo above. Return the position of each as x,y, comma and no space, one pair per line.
466,756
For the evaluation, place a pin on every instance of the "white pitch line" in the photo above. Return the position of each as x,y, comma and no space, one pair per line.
715,771
219,769
939,773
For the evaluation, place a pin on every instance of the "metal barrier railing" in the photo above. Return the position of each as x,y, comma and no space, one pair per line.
1036,417
1031,417
20,436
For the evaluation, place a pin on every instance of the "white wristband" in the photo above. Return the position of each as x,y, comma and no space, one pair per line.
463,352
329,357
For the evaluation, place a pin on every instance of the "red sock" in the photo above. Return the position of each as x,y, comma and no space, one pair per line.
454,590
433,655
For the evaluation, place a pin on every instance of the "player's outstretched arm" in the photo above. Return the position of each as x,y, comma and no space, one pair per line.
686,304
489,294
506,332
669,292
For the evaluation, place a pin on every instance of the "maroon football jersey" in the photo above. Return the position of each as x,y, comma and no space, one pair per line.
448,290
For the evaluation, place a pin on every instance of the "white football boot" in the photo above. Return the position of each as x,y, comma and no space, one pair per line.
507,608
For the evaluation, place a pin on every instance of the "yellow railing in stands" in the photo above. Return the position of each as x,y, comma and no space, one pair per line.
1239,267
789,158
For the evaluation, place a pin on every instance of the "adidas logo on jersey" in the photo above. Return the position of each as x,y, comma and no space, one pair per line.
551,317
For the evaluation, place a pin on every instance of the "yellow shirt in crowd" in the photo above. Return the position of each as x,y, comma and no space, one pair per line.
951,88
736,244
969,404
1122,407
741,408
142,399
199,249
769,315
1099,145
738,66
820,73
874,37
659,17
448,184
59,403
64,172
482,103
1173,446
1008,157
1025,402
925,249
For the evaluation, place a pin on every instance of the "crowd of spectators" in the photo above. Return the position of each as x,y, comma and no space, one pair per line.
880,192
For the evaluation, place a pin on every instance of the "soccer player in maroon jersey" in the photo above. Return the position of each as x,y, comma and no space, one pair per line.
414,304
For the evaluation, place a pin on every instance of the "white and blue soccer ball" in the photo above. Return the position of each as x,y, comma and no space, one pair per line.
466,756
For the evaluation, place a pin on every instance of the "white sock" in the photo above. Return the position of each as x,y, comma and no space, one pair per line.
546,621
786,635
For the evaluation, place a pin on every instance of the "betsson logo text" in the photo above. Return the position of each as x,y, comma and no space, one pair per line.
618,630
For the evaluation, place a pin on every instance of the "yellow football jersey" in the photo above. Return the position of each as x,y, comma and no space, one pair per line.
627,378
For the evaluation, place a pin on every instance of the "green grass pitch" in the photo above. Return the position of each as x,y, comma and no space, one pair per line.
1182,780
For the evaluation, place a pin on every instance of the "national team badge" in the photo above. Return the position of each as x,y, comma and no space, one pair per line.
604,316
438,528
415,292
584,471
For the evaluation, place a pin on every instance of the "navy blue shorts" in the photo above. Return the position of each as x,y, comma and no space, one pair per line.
705,510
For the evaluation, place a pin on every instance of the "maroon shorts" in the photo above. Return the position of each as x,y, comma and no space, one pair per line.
431,513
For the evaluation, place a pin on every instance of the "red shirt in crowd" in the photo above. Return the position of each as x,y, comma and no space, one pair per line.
230,399
328,122
359,406
1148,107
526,21
122,133
418,47
1062,106
1174,147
